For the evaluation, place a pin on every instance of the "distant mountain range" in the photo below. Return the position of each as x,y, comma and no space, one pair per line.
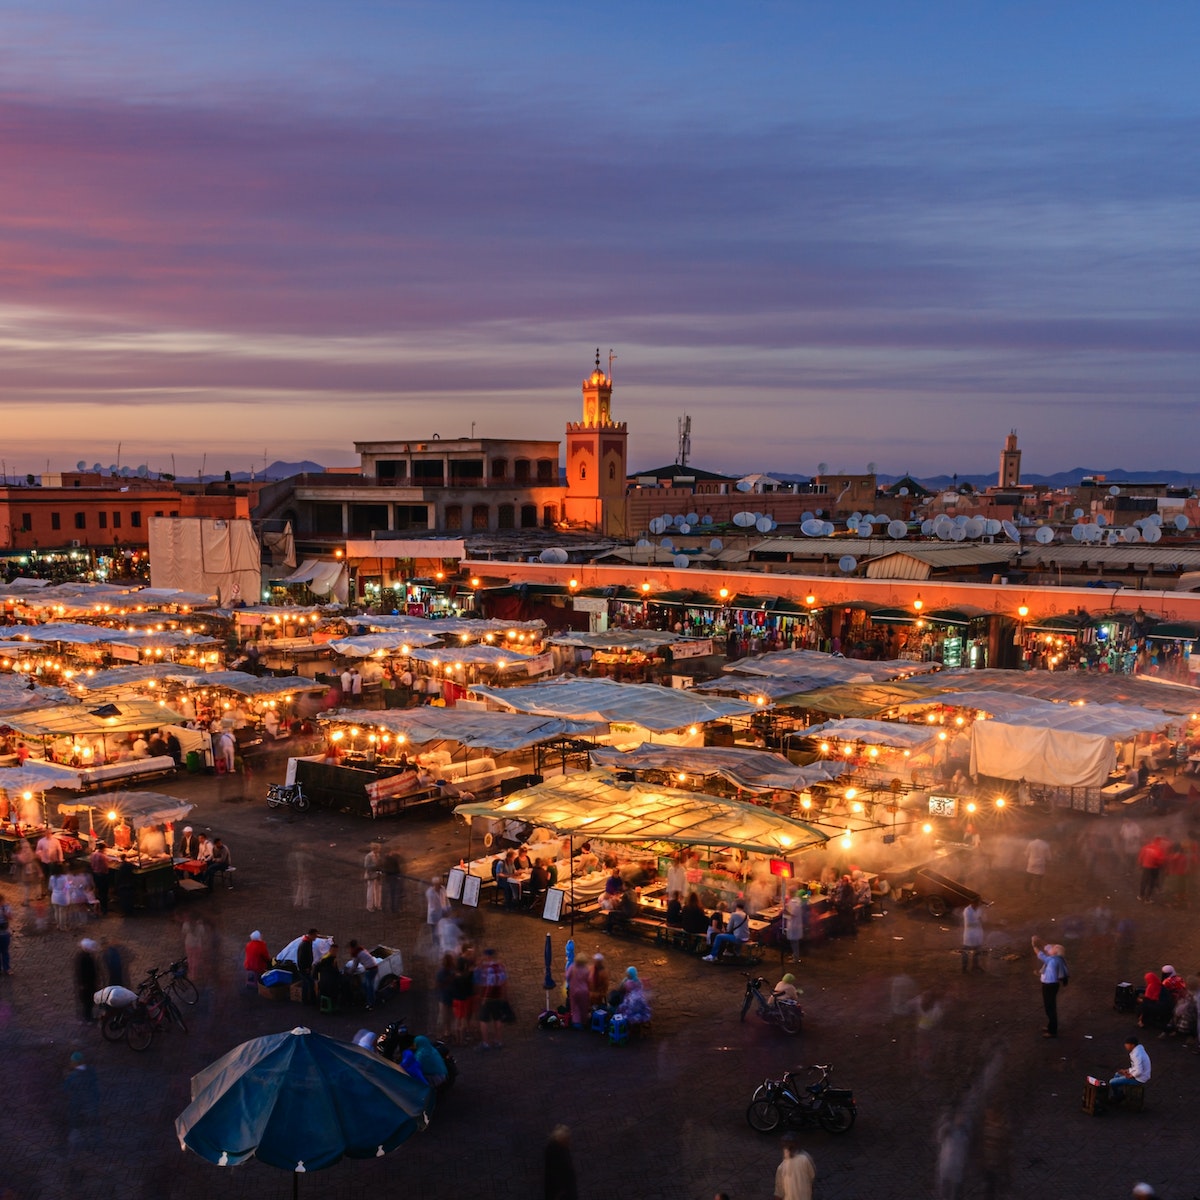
1062,479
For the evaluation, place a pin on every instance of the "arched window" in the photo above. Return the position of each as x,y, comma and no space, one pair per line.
529,516
583,470
612,470
505,515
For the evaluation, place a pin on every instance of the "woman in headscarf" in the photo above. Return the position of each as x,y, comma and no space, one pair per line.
635,1005
579,993
257,958
432,1064
1152,1011
598,982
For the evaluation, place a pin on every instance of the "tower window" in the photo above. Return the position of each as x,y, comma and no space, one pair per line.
583,472
612,470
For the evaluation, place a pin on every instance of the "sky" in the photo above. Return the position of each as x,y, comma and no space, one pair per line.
234,233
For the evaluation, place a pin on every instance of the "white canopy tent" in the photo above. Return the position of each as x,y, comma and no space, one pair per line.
496,731
368,644
875,733
323,578
753,770
828,668
199,554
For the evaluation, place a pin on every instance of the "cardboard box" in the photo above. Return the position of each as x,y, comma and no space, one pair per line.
278,992
296,993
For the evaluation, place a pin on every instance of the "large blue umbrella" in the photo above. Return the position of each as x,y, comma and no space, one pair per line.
300,1101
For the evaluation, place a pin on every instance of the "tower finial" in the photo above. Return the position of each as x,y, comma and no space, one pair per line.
597,358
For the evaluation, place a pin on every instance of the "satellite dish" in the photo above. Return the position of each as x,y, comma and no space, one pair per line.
743,520
1152,533
644,544
927,527
1095,533
993,527
805,516
872,469
97,468
716,544
961,519
1101,520
812,527
685,528
819,513
822,468
1113,537
692,518
706,519
744,485
897,529
143,472
763,524
974,527
667,544
852,523
958,534
549,555
864,530
856,516
81,465
1133,535
1044,535
826,528
1077,532
1013,533
1181,522
904,491
1114,490
848,563
681,561
1155,518
1078,513
657,525
678,519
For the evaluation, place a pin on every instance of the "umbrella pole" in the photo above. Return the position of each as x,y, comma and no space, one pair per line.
571,864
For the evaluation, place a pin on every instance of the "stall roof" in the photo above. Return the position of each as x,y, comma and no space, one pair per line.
136,808
1176,631
443,626
17,696
875,733
131,676
127,716
809,664
619,639
37,776
658,709
593,804
998,704
366,644
1108,720
321,575
480,654
156,639
498,731
855,699
753,686
253,685
755,770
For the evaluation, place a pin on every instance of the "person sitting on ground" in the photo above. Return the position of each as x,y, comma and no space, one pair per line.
1138,1071
432,1064
694,919
786,989
675,911
1151,1008
736,935
634,1005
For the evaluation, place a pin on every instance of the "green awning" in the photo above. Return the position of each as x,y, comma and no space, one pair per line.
1175,631
895,616
1068,623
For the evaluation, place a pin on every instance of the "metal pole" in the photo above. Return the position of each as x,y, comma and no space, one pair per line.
571,864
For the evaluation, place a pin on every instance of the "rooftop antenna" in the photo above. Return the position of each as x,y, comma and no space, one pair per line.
611,359
203,464
685,440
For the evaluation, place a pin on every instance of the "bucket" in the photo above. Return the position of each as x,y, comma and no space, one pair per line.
192,761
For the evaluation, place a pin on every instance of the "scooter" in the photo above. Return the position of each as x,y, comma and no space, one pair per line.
787,1014
287,795
786,1104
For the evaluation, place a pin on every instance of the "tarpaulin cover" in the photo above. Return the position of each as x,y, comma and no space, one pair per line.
498,731
129,716
474,627
390,549
596,805
753,686
1056,757
135,808
875,733
17,696
800,664
157,639
655,708
322,577
254,685
202,555
755,770
366,644
37,776
123,677
619,639
300,1101
480,654
854,699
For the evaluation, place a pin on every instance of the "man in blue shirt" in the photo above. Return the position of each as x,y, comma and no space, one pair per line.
1053,976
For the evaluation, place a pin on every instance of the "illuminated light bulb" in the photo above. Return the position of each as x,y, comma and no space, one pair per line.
918,603
942,736
681,777
824,747
847,841
856,807
958,720
692,730
970,806
874,751
931,718
846,751
810,600
784,840
806,803
724,593
112,816
400,739
1000,802
927,828
336,735
851,793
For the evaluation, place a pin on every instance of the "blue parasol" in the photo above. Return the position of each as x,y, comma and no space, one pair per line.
300,1101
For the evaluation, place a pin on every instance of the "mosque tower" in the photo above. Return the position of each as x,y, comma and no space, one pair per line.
1010,462
597,456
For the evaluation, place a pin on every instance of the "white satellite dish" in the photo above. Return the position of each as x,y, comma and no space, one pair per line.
143,472
1152,533
1078,513
97,468
864,530
1011,531
716,544
856,516
643,544
1155,518
763,524
897,529
1113,537
927,527
974,527
1133,535
812,527
81,465
1077,532
706,519
678,519
685,528
961,519
657,525
993,527
1114,490
1044,535
744,485
805,516
1101,520
820,512
848,563
667,544
1181,522
692,518
743,520
1095,533
554,554
958,534
681,561
852,523
903,491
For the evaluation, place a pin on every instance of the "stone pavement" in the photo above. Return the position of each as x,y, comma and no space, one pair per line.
659,1118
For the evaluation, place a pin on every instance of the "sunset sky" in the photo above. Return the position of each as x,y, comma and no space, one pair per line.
830,233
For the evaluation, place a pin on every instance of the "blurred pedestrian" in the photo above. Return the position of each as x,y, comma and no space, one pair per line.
373,877
435,901
86,979
1037,856
560,1181
299,871
5,937
393,880
83,1101
795,1174
100,876
972,942
1053,975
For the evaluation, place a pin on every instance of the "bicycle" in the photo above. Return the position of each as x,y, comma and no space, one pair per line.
147,1017
179,985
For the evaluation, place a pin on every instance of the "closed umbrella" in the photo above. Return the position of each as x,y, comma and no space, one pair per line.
300,1101
548,982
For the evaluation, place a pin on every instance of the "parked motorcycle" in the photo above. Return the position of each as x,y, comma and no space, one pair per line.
287,795
787,1014
788,1103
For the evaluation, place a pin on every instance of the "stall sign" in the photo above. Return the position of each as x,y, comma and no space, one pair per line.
781,867
540,664
700,648
126,653
943,806
414,610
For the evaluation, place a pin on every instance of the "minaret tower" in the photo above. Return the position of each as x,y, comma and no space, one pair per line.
1010,462
597,454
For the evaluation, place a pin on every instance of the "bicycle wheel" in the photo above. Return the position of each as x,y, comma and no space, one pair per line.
836,1118
790,1020
140,1033
115,1026
764,1116
746,1005
185,989
175,1015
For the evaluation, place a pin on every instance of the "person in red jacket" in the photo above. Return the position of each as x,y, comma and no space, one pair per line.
1151,858
257,959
